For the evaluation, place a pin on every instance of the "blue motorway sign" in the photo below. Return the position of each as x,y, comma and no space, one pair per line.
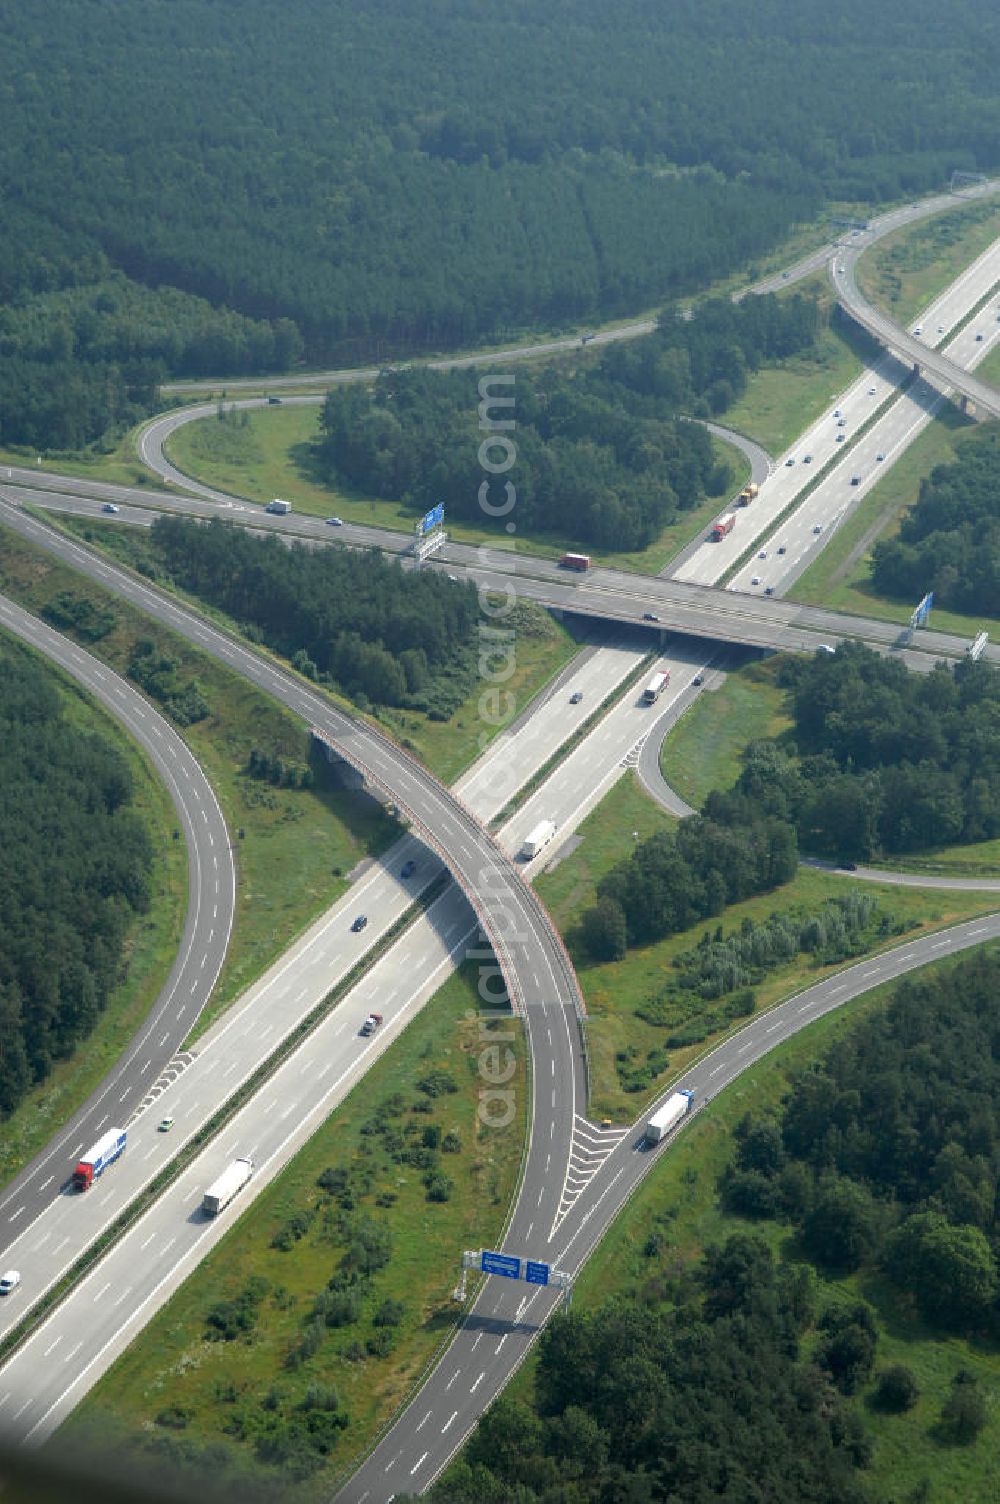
923,611
536,1274
501,1263
430,520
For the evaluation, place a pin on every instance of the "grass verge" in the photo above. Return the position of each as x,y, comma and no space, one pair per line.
703,751
622,1045
118,463
150,947
270,452
234,1397
907,270
780,402
293,846
841,577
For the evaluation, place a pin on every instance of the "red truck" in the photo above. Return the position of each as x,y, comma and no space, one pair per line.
722,527
96,1160
575,561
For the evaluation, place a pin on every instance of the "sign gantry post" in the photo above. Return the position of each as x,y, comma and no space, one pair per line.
510,1266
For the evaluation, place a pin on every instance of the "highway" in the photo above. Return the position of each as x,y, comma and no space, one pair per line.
807,266
498,1331
616,596
565,1200
918,350
154,1057
65,1353
872,454
329,951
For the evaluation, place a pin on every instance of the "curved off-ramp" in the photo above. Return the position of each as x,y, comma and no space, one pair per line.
154,1050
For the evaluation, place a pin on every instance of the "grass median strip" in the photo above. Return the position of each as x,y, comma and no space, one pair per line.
281,1358
128,1218
822,475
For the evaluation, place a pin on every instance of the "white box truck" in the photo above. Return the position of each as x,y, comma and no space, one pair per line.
536,840
281,508
230,1182
655,687
669,1115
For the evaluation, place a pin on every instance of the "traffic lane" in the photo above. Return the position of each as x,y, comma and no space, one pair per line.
853,408
704,564
513,758
932,363
870,458
733,1056
904,879
290,1106
617,597
761,467
598,761
515,923
230,1053
566,1065
203,943
708,614
143,508
650,775
491,1342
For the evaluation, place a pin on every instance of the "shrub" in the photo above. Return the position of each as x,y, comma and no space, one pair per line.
175,1418
437,1083
897,1389
439,1187
381,1343
963,1414
389,1313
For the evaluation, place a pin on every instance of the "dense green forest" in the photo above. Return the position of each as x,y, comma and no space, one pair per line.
887,1152
603,455
675,878
708,1395
733,1380
380,634
880,760
250,181
76,867
950,541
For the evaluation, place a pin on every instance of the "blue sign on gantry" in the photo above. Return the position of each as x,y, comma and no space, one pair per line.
501,1263
430,520
536,1274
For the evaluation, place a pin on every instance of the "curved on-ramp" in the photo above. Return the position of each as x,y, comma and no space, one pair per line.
204,941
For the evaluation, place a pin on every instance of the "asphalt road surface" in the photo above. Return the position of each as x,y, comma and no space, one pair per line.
568,1207
875,450
608,595
884,224
154,1055
916,349
507,1315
